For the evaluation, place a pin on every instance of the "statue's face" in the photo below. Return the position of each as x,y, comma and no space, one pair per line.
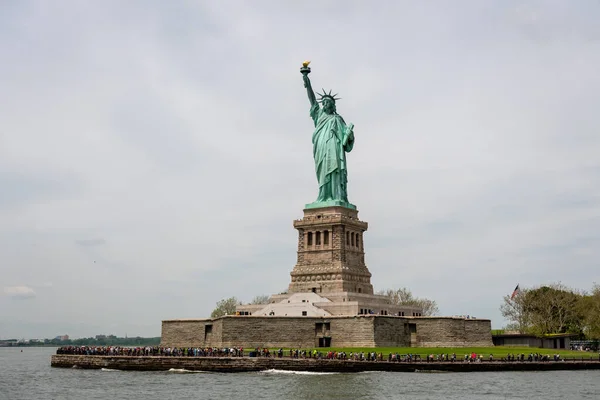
328,105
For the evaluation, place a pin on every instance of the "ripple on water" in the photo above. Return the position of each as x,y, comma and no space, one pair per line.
28,376
285,372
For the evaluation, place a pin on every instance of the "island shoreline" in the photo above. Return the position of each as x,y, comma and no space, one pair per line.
255,364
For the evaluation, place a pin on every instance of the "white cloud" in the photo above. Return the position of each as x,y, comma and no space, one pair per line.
19,292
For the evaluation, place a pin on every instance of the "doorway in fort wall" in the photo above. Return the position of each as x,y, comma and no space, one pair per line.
323,334
412,330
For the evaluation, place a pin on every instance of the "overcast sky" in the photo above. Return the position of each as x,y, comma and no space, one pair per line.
154,154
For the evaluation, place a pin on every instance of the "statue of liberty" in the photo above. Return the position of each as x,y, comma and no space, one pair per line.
332,139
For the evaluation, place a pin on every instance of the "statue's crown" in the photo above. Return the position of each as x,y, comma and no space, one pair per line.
326,95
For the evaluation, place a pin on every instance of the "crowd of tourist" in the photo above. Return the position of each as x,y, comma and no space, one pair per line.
334,355
331,355
585,345
157,351
152,351
532,357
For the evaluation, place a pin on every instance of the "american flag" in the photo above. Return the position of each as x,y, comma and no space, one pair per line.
515,292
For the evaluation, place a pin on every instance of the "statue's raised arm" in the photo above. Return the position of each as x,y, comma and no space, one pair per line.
305,70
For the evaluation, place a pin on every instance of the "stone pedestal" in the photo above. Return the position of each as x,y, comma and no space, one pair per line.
330,277
331,256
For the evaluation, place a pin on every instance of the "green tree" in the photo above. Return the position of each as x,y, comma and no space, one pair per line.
515,311
590,307
554,309
404,297
225,307
260,299
547,309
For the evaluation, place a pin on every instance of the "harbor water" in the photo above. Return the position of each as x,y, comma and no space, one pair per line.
27,375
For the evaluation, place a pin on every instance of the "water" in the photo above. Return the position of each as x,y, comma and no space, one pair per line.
28,376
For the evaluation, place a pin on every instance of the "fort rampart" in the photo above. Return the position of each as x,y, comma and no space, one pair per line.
335,331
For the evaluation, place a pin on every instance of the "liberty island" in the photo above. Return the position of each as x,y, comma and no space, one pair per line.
330,302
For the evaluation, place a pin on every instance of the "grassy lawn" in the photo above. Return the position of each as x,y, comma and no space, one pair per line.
497,351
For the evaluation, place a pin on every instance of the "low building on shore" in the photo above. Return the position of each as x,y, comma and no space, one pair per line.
553,341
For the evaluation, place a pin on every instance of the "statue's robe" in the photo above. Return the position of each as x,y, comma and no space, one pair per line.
331,140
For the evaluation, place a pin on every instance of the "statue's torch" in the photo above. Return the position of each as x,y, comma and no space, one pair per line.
305,70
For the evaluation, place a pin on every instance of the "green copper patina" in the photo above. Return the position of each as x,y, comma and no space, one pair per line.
332,139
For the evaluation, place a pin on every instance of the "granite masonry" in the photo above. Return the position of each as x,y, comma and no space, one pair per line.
335,331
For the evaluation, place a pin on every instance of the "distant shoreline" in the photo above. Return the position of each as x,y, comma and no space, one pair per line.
254,364
109,341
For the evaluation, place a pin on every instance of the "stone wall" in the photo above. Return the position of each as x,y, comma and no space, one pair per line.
246,331
352,332
478,332
252,332
304,332
273,332
391,332
191,332
453,332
